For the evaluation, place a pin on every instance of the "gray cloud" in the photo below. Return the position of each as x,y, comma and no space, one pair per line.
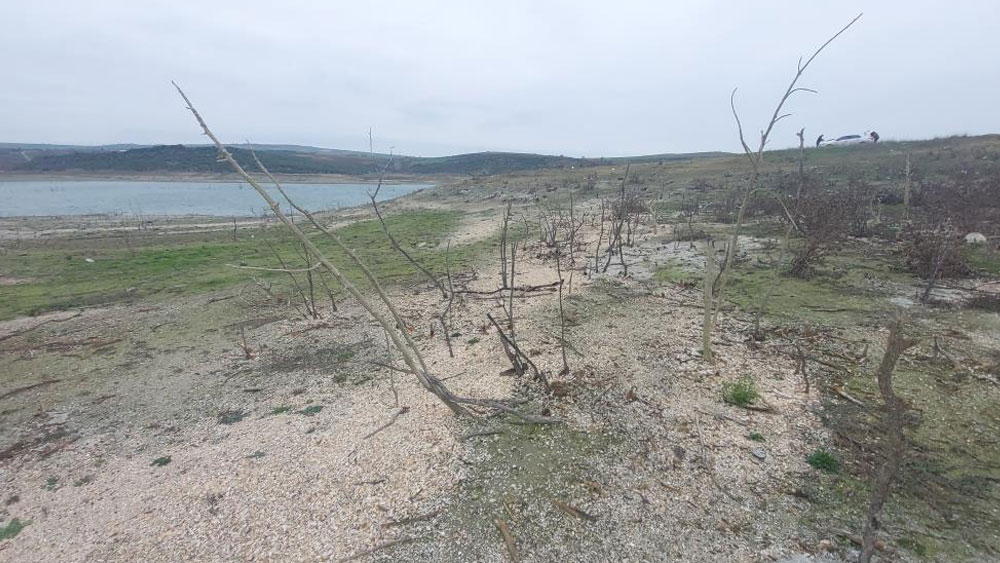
574,78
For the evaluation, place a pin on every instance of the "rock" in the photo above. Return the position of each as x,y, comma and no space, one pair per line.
758,453
975,238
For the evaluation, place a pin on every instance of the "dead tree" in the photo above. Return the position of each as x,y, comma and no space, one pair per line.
600,236
520,362
393,324
906,191
943,251
504,229
895,409
445,292
573,229
708,322
619,219
755,158
562,315
385,229
689,211
549,220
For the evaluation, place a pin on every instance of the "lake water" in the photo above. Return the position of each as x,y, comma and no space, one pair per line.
176,198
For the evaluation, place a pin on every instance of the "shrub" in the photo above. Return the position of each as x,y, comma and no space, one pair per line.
311,410
741,392
935,252
824,219
824,461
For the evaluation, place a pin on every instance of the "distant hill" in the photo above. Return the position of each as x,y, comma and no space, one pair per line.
281,159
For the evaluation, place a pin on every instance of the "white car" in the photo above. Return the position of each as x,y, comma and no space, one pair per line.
867,137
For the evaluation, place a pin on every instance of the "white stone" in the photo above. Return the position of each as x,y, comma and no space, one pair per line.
975,238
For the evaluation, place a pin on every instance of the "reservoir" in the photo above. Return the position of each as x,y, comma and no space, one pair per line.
137,199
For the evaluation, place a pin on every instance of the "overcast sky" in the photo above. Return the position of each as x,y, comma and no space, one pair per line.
578,78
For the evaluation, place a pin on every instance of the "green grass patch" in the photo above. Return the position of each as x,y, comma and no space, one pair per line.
61,278
671,273
281,410
311,410
756,437
51,484
824,461
741,392
232,416
161,461
12,529
983,259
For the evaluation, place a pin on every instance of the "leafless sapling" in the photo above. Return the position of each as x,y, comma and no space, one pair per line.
394,324
895,410
755,157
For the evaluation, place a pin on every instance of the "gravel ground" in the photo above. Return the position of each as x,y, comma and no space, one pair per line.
271,458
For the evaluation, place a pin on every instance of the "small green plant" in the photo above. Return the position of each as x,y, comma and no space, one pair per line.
232,416
473,340
823,460
12,528
257,454
741,392
83,480
51,484
756,436
281,410
161,461
311,410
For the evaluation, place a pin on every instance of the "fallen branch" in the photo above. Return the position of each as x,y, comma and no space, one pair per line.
524,288
844,395
27,330
756,408
986,378
480,433
377,548
413,519
13,392
573,511
401,411
508,539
